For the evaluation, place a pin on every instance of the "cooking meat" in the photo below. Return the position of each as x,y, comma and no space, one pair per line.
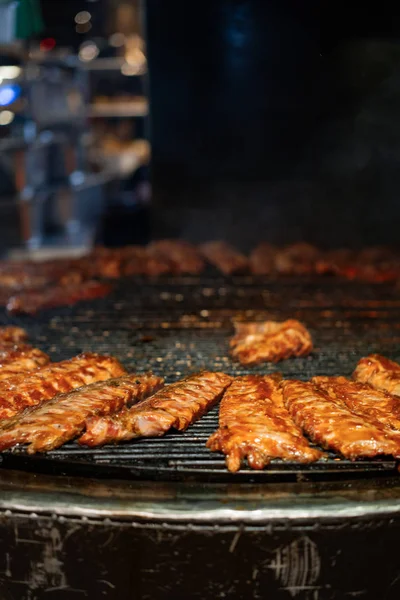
380,372
29,389
363,399
31,302
330,424
269,341
142,261
224,257
254,423
296,259
12,334
56,421
262,259
20,358
177,405
183,257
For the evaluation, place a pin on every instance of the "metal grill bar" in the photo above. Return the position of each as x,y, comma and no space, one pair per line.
181,325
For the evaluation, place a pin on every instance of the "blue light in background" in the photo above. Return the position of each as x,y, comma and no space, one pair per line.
9,94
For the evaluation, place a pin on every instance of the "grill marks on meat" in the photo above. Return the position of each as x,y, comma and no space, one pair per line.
363,400
270,341
20,358
61,419
224,257
380,372
177,405
254,423
29,389
329,423
31,302
12,334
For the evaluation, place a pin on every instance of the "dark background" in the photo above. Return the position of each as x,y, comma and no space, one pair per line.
275,120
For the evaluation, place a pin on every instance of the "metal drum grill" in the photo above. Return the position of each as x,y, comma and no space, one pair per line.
162,519
181,325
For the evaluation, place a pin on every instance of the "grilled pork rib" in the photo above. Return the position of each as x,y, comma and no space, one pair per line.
183,257
61,419
363,400
177,405
224,257
12,334
328,422
270,341
30,302
20,358
254,423
380,372
29,389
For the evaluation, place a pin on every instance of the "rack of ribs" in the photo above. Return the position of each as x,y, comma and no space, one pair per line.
183,257
32,301
224,257
61,419
363,399
177,405
329,423
270,341
29,389
254,423
380,372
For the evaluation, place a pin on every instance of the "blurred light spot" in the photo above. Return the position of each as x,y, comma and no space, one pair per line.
11,72
83,17
47,44
6,117
8,94
117,40
88,51
130,70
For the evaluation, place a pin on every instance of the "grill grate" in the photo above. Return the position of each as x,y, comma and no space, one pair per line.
179,325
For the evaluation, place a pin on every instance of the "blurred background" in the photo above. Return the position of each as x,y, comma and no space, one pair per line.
245,120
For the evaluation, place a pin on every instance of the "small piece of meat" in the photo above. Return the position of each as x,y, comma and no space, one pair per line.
138,260
61,419
329,423
224,257
184,257
13,334
296,259
333,262
177,405
262,259
254,423
19,359
29,389
380,372
269,341
31,302
363,400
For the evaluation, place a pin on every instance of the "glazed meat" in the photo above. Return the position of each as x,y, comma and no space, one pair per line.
380,372
177,405
329,423
53,423
262,259
31,302
296,259
363,400
254,423
143,261
224,257
269,341
12,334
29,389
20,358
183,257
